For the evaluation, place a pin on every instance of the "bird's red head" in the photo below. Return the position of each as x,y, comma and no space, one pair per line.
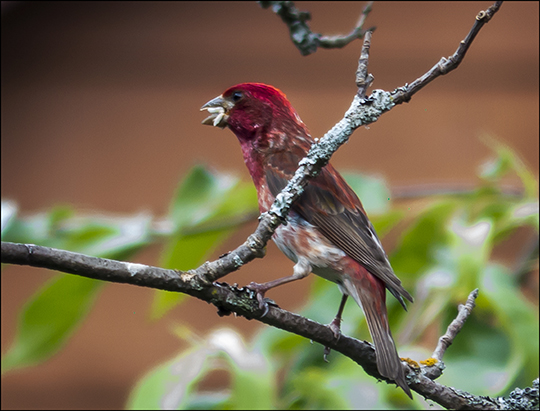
250,110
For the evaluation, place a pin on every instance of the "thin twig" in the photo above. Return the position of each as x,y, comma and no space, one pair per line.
455,326
363,78
446,65
332,42
301,35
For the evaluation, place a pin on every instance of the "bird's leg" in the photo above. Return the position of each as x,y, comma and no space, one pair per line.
335,325
301,269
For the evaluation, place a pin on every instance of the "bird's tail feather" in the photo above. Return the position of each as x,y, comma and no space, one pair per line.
370,294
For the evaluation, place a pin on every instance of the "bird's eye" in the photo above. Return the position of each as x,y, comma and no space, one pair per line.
237,95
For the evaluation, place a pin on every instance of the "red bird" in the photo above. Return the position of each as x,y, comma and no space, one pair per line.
327,231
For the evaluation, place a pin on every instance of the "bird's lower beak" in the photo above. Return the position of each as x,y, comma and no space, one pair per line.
219,112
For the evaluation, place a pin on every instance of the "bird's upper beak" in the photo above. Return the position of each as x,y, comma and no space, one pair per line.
219,109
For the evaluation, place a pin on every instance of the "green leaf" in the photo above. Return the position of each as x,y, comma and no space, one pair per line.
208,400
174,385
106,237
383,223
163,302
52,315
372,191
497,167
476,373
518,317
525,213
169,385
419,243
183,253
482,358
206,208
199,195
206,201
187,252
49,318
240,200
276,343
9,216
253,381
35,229
311,389
97,235
508,160
471,245
434,290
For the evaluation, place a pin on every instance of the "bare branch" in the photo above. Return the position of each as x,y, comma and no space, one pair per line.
225,297
301,35
229,299
363,78
331,42
455,326
433,367
446,65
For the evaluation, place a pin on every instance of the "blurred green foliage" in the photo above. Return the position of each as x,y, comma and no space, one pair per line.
443,253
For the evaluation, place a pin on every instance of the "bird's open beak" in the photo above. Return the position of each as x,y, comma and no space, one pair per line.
219,109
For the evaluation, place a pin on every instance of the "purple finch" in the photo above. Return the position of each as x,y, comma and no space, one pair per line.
327,231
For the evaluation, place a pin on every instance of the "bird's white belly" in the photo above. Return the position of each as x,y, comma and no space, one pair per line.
301,239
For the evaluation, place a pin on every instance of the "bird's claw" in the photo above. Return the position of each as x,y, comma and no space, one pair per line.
263,304
335,327
326,353
260,290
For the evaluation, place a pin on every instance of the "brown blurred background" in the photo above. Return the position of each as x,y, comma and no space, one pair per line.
100,109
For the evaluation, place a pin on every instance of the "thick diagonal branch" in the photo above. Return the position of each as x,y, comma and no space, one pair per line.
363,111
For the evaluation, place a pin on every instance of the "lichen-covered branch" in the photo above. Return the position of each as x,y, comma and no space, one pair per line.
362,111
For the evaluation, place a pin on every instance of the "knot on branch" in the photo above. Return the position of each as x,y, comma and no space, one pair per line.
256,245
482,15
